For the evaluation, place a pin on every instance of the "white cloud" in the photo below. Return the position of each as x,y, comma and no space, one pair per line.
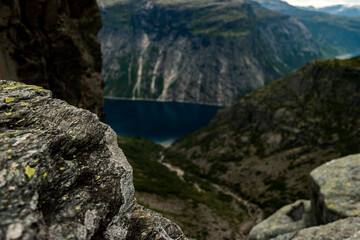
322,3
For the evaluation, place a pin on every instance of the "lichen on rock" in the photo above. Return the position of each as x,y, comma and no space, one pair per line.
62,175
346,229
289,218
335,191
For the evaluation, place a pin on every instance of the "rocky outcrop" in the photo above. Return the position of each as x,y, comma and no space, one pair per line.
53,43
334,194
290,218
347,229
335,191
204,51
62,175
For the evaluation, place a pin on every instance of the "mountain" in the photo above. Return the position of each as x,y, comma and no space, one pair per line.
341,10
335,35
264,146
198,51
54,44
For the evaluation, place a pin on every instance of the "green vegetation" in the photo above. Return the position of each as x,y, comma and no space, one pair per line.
152,177
276,135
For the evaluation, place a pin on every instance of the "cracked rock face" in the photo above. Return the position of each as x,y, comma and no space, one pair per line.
62,175
348,229
340,197
53,44
289,218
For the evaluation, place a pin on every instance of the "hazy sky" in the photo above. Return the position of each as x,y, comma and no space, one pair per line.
322,3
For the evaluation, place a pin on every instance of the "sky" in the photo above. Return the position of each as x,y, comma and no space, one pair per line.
322,3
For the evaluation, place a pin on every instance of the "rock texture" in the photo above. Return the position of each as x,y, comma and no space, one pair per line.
265,145
335,191
62,175
197,51
288,219
347,229
334,194
53,43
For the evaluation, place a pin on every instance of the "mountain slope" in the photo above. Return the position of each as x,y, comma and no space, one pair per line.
198,51
264,146
335,35
202,210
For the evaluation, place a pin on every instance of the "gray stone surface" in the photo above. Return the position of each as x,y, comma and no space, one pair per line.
289,218
62,174
334,189
344,229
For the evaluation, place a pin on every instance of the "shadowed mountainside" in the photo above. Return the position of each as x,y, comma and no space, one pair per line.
335,35
54,44
264,146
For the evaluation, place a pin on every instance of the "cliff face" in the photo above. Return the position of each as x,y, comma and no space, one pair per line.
198,51
54,44
335,35
62,175
266,144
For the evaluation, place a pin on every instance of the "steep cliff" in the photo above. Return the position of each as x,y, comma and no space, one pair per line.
266,144
62,175
53,44
335,35
197,51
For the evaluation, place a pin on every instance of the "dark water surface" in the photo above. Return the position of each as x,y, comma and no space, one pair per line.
161,122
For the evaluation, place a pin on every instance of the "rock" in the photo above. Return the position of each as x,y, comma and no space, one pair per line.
63,175
347,229
289,218
53,43
335,191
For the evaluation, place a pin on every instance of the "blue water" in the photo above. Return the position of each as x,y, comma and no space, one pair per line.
161,122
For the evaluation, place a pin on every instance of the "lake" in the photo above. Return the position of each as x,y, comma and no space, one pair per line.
161,122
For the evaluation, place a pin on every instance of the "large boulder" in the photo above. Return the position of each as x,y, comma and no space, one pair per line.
334,189
62,175
289,218
344,229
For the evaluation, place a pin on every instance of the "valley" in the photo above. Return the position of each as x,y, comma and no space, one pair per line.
256,153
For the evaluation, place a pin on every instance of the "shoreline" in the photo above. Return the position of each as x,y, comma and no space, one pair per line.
164,101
